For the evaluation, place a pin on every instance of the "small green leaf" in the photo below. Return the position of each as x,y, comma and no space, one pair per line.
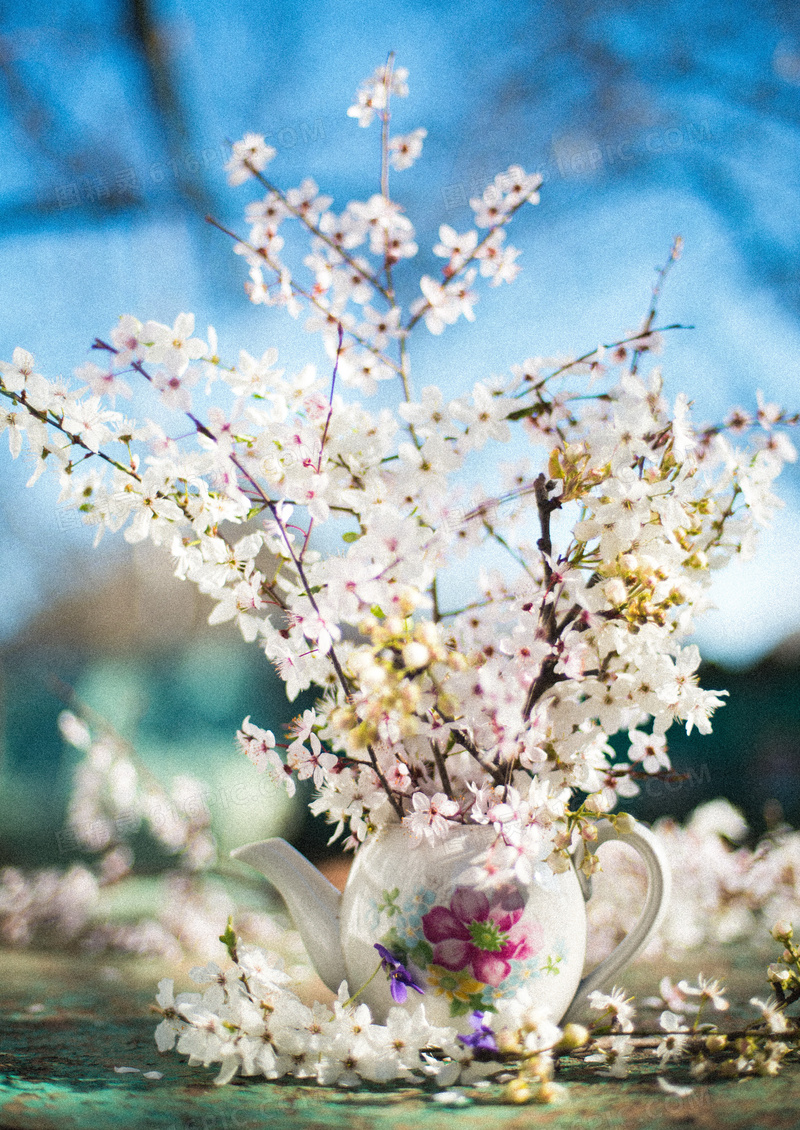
351,535
228,940
459,1008
378,612
251,513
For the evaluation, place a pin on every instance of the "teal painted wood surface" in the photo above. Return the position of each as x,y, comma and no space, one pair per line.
67,1022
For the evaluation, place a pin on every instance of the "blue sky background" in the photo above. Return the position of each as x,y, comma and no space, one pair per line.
647,120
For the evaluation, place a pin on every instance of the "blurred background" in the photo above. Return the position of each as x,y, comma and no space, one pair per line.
646,120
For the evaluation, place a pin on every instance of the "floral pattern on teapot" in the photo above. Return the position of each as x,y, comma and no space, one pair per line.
472,950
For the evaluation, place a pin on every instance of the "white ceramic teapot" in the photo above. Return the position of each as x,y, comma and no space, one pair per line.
466,945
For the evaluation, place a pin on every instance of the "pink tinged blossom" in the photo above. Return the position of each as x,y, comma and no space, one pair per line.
103,382
174,347
456,248
255,743
307,201
442,305
431,815
482,930
259,746
303,724
373,95
406,148
88,421
239,604
12,422
310,763
126,337
248,154
316,628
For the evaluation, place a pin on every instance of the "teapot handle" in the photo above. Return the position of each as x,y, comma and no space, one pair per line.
659,885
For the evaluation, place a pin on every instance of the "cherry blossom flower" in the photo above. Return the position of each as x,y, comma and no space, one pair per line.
431,816
255,743
251,153
649,749
405,149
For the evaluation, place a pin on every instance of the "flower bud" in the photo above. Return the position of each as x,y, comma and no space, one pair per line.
416,655
782,931
624,824
538,1067
716,1042
615,591
550,1092
589,864
574,1036
559,862
596,803
517,1091
507,1041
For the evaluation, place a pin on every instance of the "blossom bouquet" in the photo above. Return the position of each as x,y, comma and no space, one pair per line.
586,507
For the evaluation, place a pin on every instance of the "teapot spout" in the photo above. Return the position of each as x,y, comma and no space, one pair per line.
311,900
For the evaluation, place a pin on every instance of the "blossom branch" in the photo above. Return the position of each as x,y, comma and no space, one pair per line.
309,296
314,229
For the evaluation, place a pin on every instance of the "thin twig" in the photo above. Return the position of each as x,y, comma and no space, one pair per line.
586,357
674,255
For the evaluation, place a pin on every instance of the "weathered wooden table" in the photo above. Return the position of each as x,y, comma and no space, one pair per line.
68,1022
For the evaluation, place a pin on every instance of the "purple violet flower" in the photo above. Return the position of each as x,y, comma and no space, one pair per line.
400,980
482,1038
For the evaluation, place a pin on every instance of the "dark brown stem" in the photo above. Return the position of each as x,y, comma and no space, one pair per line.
493,770
547,676
546,679
52,422
441,765
376,769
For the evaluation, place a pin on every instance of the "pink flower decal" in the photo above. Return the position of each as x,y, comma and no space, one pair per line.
482,931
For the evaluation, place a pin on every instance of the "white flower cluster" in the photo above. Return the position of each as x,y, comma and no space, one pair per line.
248,1020
496,712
